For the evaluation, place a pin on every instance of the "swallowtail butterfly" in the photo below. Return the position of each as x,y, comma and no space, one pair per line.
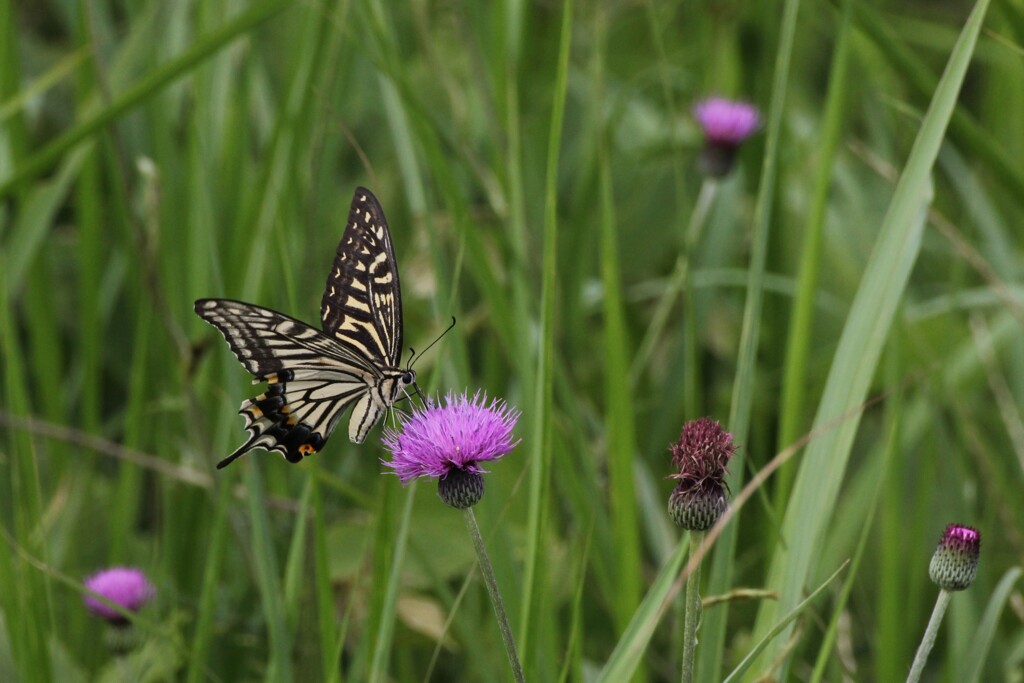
314,376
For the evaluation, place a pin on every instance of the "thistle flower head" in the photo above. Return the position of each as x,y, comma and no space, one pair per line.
701,455
725,121
726,124
449,441
124,586
702,452
955,561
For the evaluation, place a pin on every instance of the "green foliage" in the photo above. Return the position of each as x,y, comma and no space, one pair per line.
537,163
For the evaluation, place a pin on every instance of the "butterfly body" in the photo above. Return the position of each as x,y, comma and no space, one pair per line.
313,376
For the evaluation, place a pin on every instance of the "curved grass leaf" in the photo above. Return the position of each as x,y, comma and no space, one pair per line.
980,645
631,646
138,93
860,345
779,627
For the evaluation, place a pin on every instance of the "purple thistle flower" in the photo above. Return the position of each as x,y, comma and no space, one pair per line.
450,440
125,586
727,121
702,455
726,124
955,562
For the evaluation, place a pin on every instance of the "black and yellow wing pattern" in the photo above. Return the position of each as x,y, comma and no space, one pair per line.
313,376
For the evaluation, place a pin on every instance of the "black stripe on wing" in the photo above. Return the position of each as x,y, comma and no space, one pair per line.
362,302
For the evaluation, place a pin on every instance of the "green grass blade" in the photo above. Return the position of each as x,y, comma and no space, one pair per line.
324,594
161,77
618,396
28,235
572,666
964,128
388,606
290,137
296,568
798,340
13,138
268,577
540,442
825,652
203,640
61,70
720,576
977,654
861,343
797,610
26,591
629,651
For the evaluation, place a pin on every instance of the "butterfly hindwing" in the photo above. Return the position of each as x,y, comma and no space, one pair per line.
311,377
362,302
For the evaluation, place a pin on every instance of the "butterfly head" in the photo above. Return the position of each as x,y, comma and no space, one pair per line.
408,379
405,386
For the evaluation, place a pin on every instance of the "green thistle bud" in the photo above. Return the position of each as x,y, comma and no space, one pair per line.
955,562
696,509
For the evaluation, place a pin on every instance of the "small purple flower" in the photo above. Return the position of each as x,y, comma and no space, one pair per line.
727,121
726,124
449,441
955,562
125,586
701,455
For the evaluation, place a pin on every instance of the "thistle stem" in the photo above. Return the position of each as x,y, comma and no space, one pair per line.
492,589
680,282
928,641
693,611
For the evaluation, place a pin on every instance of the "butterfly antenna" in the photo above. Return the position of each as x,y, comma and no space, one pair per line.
414,357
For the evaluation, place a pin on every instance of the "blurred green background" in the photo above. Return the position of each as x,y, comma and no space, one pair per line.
537,164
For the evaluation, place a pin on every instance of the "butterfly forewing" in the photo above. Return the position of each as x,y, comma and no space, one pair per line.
313,376
265,341
362,303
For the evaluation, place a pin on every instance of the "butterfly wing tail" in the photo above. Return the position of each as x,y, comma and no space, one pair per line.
237,454
273,427
258,426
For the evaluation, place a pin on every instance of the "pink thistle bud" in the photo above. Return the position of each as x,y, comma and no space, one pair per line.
955,562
